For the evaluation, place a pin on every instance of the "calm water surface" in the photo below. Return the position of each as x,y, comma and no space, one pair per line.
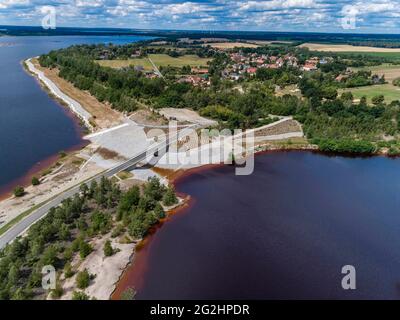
34,127
284,232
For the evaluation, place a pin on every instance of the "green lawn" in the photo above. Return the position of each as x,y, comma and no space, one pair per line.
159,60
390,92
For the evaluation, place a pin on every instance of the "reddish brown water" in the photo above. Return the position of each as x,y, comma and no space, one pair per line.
284,232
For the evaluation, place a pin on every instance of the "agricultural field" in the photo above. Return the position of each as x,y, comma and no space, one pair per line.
159,60
347,48
390,92
232,45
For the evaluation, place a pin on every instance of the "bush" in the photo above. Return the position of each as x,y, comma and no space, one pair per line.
108,249
68,272
57,292
19,191
84,249
118,230
62,154
83,279
79,295
396,82
35,181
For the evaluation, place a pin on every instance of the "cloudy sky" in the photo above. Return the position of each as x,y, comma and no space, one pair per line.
273,15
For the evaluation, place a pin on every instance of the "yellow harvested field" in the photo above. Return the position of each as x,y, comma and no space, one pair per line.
232,45
346,48
187,60
144,62
265,42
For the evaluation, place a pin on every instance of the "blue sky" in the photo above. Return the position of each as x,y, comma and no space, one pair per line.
378,16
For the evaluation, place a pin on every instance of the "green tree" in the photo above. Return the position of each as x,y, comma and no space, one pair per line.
35,181
170,198
159,211
83,279
377,100
49,256
79,295
108,249
68,271
19,191
84,189
84,249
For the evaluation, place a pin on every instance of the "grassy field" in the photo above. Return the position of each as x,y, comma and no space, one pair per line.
159,60
387,55
390,92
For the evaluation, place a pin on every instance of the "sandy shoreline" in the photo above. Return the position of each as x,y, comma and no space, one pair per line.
72,104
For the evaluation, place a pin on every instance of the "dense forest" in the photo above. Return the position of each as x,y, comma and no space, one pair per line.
335,123
66,231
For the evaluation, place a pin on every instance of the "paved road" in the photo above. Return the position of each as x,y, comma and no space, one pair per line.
24,224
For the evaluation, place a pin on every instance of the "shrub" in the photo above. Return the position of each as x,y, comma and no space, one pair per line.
79,295
68,272
19,191
84,249
83,279
108,249
35,181
57,292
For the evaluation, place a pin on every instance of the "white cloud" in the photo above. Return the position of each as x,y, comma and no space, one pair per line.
10,3
89,3
277,4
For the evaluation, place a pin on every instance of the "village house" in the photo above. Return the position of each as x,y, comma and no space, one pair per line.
311,64
136,54
199,71
251,71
